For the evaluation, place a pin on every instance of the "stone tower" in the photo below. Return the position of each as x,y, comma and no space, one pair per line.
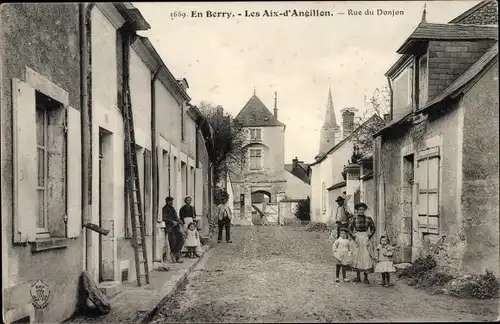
330,130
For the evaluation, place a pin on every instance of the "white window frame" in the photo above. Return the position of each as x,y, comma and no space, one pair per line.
407,68
42,229
423,84
261,152
254,130
423,182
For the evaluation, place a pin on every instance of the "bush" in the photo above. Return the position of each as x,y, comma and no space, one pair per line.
316,227
220,195
303,209
485,286
419,268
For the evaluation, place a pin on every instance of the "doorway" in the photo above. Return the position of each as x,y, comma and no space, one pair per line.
408,193
106,206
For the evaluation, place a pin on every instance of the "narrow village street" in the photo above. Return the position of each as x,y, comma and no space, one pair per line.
285,274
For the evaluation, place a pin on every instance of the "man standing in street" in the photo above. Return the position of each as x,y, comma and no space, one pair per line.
224,220
173,230
342,215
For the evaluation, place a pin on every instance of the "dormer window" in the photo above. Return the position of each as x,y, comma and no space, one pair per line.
255,134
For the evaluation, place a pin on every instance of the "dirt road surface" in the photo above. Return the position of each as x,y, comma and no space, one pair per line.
285,274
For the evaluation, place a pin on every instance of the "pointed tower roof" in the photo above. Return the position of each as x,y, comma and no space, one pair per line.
330,119
255,114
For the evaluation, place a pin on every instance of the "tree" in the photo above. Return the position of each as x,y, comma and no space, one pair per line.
379,105
302,210
228,139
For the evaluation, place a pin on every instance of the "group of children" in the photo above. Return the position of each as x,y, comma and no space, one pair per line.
344,250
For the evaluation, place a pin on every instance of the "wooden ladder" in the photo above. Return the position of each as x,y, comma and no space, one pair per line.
133,188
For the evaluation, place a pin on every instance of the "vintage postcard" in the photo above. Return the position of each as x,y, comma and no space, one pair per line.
274,161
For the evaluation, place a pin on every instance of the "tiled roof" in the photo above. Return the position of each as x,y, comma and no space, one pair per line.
471,11
427,31
466,77
255,113
321,157
299,172
454,88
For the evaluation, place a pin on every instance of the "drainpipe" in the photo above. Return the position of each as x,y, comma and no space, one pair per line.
85,106
154,151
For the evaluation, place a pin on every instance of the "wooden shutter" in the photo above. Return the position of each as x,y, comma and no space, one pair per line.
198,191
147,190
74,176
428,190
25,162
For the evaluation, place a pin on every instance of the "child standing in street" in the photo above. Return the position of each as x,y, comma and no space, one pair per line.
192,241
343,254
385,264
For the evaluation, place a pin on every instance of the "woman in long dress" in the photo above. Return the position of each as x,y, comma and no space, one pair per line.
363,228
187,214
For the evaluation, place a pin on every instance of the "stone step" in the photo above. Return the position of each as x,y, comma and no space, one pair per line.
110,288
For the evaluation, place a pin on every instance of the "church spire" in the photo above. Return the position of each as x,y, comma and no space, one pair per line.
424,14
330,119
330,130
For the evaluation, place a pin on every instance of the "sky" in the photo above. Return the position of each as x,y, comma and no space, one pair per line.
225,60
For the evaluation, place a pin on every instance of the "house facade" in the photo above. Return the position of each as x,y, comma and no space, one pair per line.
436,162
259,180
51,91
297,188
333,174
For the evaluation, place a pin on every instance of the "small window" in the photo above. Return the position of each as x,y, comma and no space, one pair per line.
423,81
256,134
255,159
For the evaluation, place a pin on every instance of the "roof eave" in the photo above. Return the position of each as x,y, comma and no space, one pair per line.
132,15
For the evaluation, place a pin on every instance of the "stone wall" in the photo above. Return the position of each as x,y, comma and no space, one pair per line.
480,174
449,59
45,38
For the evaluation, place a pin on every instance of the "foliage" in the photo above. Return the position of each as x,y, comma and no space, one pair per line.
419,268
220,195
485,286
228,139
303,209
378,104
317,227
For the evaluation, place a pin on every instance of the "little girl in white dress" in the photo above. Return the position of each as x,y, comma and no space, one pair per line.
192,239
385,264
342,251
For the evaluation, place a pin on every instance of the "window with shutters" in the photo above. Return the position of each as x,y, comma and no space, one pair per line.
255,134
428,182
255,159
46,170
51,166
183,135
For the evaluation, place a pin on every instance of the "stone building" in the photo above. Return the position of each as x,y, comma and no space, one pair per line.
46,92
260,177
436,162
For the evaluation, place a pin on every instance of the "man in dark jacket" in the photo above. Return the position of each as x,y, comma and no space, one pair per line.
173,230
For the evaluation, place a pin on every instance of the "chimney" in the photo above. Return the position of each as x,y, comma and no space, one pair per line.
220,111
387,118
275,105
347,121
295,162
183,83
